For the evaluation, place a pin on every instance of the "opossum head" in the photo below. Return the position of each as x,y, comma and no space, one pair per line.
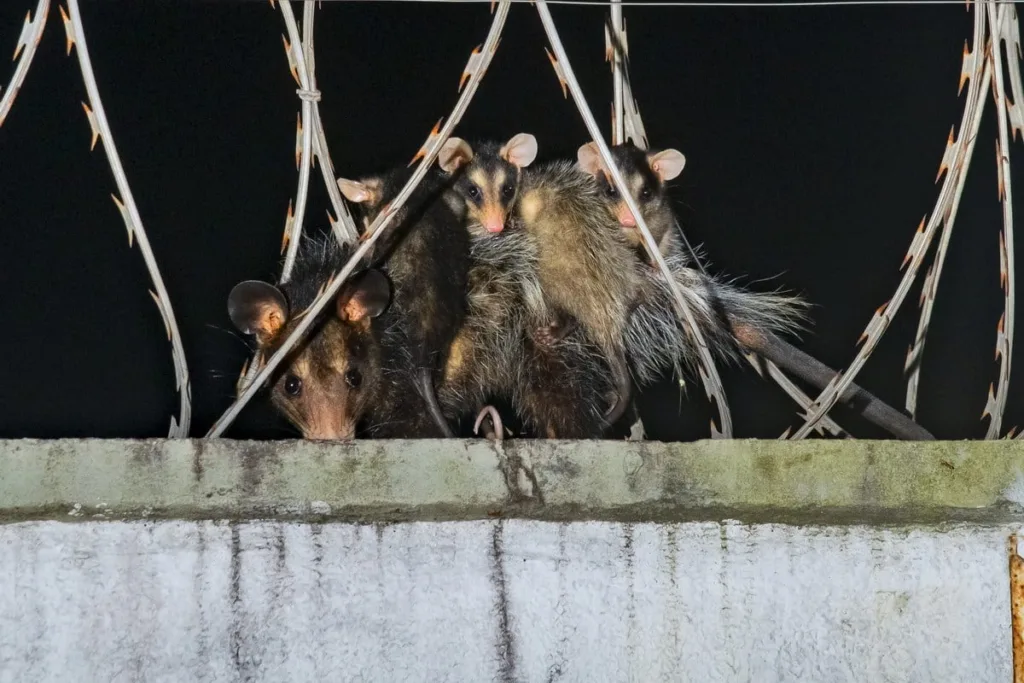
328,381
367,195
646,174
370,195
488,179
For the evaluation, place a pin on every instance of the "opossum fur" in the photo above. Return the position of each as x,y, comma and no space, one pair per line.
426,256
657,340
582,253
558,390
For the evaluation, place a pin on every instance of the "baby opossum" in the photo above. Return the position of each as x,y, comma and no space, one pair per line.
352,365
556,389
731,318
645,175
426,255
558,392
580,249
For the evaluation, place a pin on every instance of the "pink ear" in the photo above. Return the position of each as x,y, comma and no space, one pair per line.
521,150
354,190
589,159
454,152
667,164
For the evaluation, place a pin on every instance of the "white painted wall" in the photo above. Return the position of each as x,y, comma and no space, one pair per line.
513,601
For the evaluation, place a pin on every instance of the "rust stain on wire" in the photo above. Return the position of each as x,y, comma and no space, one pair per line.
1017,610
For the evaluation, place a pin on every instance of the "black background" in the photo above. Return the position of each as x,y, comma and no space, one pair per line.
812,138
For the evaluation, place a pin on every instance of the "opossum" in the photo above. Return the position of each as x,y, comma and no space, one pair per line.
580,249
353,365
645,175
732,319
557,389
426,256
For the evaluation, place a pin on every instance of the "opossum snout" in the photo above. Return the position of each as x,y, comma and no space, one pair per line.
625,216
332,432
493,220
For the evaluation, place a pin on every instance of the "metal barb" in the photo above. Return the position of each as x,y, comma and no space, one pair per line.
30,32
126,217
289,226
433,142
558,73
475,60
69,31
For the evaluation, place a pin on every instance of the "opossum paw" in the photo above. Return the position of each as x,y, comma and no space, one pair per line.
549,334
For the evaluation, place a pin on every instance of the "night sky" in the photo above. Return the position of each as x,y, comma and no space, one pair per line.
812,138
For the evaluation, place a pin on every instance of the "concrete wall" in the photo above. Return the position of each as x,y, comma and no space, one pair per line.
739,561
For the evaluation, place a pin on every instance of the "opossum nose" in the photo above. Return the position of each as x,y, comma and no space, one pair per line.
493,220
626,218
331,435
332,431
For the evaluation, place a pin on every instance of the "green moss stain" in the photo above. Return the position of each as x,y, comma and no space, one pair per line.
846,473
579,480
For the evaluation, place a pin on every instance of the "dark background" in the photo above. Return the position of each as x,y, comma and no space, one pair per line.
812,138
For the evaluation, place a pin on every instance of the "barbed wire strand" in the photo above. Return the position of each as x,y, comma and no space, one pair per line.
479,61
699,3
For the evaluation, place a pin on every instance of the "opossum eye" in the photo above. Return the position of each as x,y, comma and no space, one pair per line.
645,193
292,385
610,190
353,378
508,191
473,192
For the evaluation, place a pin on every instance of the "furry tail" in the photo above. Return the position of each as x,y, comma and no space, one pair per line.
776,312
657,340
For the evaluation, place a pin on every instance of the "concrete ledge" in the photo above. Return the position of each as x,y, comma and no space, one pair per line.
824,482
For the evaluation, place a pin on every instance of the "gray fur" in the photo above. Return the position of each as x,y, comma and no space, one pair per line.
658,341
500,271
581,267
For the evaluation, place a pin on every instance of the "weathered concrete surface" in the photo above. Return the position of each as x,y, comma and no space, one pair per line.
239,561
808,481
502,600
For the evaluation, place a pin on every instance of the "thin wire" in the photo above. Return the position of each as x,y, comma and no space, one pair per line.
704,3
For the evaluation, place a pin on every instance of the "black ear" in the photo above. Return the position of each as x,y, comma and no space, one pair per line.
257,308
366,297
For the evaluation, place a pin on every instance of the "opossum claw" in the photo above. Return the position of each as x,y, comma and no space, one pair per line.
497,430
426,388
623,387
